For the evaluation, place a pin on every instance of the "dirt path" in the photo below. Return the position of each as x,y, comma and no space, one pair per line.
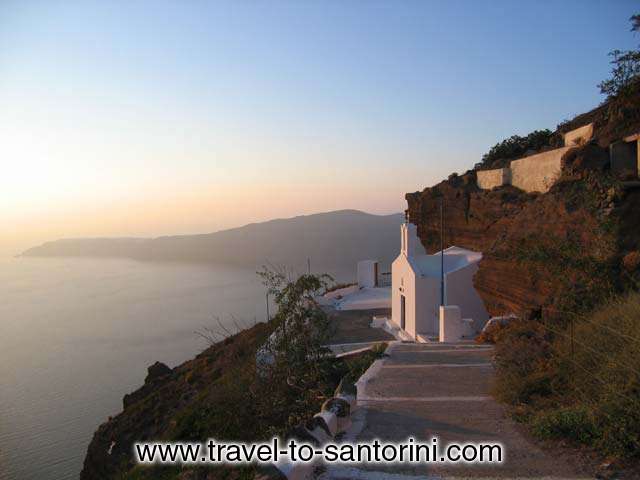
443,390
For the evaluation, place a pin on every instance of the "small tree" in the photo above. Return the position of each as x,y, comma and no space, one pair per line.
296,376
626,67
300,325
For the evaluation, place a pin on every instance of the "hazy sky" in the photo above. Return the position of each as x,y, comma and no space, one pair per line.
151,117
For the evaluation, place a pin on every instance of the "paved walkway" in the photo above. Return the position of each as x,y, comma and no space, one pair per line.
354,326
427,390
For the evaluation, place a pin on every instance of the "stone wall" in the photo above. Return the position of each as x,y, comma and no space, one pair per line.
539,172
488,179
579,136
535,173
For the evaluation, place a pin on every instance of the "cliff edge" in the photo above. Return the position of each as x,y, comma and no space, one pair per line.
547,253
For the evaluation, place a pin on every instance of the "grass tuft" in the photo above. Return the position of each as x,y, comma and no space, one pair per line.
584,386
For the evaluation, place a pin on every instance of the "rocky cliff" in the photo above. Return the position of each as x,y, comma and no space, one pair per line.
186,402
563,250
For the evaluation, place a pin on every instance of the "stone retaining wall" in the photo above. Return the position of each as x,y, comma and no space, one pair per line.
579,136
488,179
535,173
539,172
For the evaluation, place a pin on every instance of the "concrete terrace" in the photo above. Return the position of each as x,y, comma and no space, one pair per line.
351,331
426,390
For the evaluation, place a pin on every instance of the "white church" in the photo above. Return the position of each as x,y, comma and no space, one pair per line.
416,291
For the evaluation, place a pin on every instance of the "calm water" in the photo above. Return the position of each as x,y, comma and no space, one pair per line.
76,335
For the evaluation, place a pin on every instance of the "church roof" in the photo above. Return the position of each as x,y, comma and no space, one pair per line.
455,258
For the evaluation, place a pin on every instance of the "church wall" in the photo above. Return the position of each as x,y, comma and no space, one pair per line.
427,305
403,283
460,291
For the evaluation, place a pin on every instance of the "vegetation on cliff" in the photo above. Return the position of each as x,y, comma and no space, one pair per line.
611,119
226,394
626,68
578,378
566,264
515,147
560,250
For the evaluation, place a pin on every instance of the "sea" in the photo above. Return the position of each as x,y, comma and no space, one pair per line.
78,334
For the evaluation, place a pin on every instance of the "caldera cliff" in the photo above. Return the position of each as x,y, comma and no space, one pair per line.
547,253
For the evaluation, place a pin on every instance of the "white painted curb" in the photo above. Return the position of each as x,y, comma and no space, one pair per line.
335,424
331,420
350,399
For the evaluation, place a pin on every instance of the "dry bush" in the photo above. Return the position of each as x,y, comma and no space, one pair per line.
583,386
524,362
605,372
631,261
490,333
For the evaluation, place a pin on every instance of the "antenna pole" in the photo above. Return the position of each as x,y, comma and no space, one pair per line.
442,251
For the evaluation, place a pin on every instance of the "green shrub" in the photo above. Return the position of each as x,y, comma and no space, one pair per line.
575,423
626,67
515,147
621,424
583,386
359,364
379,349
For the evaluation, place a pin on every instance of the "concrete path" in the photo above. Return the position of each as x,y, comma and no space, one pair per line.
427,390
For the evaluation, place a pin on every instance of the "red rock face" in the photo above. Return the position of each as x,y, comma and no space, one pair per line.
477,220
542,252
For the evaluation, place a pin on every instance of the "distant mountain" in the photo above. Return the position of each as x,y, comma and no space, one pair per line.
334,241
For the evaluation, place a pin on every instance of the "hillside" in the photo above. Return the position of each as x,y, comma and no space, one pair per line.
265,381
169,402
543,252
331,240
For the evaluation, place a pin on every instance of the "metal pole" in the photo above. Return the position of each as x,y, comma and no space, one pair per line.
268,316
442,251
309,265
572,337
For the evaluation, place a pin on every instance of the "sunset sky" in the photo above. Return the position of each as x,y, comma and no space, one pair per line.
143,118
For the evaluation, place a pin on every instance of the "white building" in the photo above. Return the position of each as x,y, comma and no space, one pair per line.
367,273
415,286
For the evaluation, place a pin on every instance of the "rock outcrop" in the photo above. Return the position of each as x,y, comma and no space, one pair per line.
170,404
543,253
